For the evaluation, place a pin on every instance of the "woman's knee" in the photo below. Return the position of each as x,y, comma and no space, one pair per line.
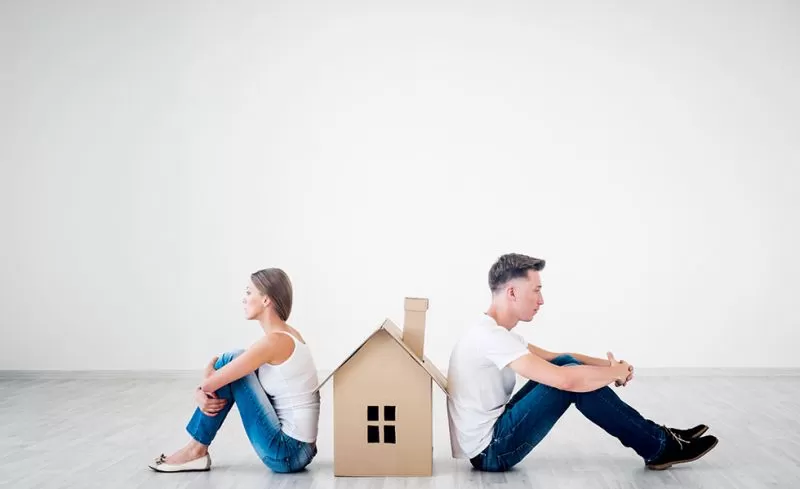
563,360
227,358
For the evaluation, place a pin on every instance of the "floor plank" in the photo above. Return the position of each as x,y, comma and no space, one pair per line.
101,433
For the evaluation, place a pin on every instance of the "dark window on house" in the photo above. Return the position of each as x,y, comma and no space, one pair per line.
389,434
372,413
373,434
389,430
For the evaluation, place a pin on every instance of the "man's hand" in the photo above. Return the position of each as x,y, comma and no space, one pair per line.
209,371
209,404
626,373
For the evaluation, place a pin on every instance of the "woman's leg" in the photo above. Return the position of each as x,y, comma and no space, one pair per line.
278,451
202,427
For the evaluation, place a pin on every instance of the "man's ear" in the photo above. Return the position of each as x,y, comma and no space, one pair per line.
511,292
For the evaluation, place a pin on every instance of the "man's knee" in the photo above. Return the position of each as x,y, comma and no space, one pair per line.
563,360
226,358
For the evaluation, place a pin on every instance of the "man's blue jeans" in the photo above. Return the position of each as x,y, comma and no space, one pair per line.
277,450
534,409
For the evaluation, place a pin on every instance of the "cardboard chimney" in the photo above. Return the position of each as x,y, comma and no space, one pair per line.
414,325
382,399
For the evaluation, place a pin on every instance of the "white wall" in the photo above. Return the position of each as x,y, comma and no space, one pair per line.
155,153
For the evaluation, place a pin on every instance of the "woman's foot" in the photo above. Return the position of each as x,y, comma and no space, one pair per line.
192,451
191,458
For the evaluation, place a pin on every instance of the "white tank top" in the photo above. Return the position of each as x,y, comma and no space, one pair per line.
290,387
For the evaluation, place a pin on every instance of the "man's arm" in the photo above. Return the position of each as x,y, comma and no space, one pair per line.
577,378
584,359
587,360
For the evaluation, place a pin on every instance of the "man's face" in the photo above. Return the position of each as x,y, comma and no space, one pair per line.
526,295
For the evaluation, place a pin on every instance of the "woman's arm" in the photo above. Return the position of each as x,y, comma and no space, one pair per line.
271,348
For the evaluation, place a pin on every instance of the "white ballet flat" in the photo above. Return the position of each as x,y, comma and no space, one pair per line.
201,464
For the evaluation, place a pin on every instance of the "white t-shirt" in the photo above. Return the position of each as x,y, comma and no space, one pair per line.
480,383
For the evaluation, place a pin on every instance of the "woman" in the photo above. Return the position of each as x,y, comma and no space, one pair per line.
272,384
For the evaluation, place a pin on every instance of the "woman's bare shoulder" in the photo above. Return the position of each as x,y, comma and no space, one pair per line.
295,333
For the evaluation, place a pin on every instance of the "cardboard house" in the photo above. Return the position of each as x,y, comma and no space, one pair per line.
382,400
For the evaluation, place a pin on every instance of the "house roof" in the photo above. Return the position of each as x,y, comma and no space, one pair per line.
397,335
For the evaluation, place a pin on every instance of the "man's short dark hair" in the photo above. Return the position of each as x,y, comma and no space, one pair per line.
511,266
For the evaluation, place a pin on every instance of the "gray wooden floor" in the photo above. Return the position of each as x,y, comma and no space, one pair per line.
102,433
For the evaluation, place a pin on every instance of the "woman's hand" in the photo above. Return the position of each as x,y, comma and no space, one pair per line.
208,403
209,371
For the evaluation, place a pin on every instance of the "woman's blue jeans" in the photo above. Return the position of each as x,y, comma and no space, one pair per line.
277,450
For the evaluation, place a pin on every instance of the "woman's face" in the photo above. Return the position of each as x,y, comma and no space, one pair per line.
254,301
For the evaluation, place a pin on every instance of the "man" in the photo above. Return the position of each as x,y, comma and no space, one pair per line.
496,431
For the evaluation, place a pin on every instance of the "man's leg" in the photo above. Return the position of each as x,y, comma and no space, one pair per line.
509,445
560,360
522,426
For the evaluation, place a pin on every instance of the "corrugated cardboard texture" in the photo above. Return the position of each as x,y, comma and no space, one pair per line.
425,362
382,373
416,304
395,332
414,331
334,371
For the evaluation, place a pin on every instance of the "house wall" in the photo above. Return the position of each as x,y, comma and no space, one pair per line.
382,374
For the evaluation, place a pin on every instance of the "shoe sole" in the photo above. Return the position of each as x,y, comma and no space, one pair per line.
178,471
670,464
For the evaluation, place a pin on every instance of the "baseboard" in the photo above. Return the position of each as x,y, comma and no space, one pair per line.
716,372
196,374
100,374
